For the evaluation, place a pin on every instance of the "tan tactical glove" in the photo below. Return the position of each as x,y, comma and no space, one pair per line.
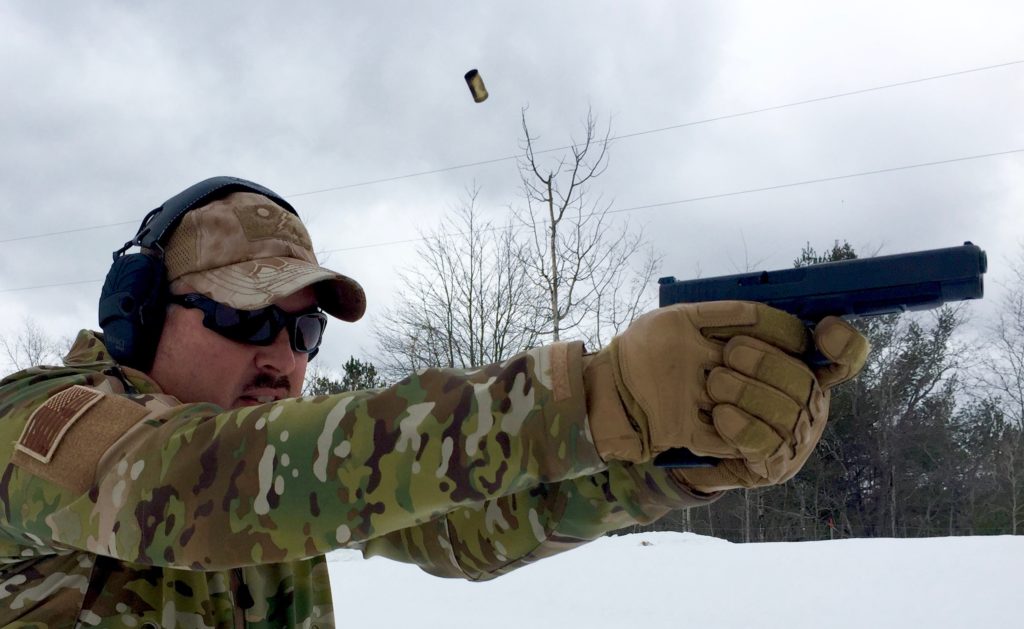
720,379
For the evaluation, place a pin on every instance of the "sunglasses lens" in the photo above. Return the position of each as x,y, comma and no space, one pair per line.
259,327
309,329
226,317
246,326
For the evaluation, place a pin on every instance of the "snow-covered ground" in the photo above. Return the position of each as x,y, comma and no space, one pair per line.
669,580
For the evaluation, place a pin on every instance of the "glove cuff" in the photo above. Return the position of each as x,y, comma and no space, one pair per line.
616,435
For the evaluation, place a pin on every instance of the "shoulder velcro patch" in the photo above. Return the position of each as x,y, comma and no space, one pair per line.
50,422
65,437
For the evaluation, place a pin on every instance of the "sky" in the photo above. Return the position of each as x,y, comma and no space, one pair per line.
729,115
661,580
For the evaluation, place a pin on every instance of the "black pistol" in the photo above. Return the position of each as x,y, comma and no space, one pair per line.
863,287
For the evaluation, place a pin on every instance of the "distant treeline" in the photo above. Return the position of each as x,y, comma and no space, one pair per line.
927,441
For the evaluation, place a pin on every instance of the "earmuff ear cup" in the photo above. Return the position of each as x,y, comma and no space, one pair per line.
133,305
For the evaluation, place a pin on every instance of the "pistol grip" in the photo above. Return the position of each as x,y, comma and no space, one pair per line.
683,458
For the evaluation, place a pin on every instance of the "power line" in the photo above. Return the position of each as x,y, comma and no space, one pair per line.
805,182
820,99
74,283
68,231
495,160
707,197
692,123
723,195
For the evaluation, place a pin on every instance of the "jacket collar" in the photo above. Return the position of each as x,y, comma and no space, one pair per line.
88,350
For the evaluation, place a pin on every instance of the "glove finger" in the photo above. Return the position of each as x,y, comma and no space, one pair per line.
767,364
755,440
766,453
705,440
768,404
842,344
728,474
722,320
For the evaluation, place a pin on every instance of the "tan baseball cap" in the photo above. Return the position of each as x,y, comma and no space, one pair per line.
246,251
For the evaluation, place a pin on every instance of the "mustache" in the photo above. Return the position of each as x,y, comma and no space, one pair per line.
269,381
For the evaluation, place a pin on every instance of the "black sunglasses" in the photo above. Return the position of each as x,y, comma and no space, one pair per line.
259,327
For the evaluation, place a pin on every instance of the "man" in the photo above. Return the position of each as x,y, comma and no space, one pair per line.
186,484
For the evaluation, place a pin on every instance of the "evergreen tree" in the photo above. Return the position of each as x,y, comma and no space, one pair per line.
357,376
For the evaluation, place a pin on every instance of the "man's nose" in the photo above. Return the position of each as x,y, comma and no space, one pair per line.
278,356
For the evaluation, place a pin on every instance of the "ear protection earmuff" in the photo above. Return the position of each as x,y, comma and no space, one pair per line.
133,302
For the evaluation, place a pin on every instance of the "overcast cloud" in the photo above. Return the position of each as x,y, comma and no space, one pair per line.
110,108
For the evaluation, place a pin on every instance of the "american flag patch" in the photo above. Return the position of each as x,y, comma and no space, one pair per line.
48,423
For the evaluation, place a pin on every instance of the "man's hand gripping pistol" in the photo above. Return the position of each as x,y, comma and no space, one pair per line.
725,384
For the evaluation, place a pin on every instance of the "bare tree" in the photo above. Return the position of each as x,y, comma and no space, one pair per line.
1002,377
466,303
593,271
31,346
482,292
1005,358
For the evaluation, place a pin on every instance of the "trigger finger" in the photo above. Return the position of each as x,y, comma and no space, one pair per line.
764,363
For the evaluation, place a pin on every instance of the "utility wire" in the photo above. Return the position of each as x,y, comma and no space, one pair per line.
74,283
707,197
723,195
819,180
495,160
68,231
692,123
819,99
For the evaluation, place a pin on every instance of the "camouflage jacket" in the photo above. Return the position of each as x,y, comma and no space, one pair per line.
141,511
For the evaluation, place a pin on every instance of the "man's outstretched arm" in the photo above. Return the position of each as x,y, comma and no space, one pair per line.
484,541
198,487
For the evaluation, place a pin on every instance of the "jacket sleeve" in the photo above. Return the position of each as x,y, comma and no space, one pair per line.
197,487
483,541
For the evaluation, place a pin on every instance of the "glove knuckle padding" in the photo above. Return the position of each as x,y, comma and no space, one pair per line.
752,439
762,401
769,365
720,378
772,434
771,370
664,355
723,320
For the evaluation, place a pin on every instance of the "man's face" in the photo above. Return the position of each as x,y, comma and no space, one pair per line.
195,364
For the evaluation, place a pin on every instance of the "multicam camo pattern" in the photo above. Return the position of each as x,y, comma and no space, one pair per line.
201,517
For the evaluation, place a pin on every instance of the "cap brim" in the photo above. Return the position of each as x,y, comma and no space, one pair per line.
259,283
